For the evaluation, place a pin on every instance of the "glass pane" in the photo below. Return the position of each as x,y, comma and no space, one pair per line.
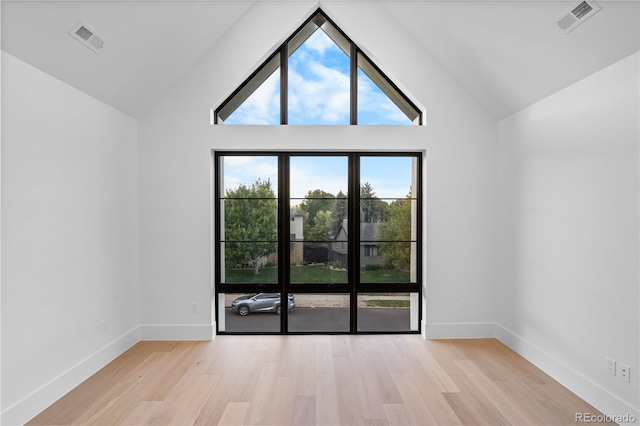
375,107
239,173
261,213
320,313
254,262
388,219
319,82
388,262
317,263
249,225
262,106
318,219
385,312
379,101
387,177
317,177
250,313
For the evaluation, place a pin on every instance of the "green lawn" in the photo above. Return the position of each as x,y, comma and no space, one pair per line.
315,274
389,303
384,276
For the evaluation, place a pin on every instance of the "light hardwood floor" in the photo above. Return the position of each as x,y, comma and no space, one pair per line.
318,380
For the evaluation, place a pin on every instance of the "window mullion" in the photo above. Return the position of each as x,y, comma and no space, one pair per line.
353,52
284,85
353,243
284,230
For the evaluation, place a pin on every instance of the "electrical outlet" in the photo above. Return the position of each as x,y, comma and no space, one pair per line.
194,308
625,373
464,304
611,366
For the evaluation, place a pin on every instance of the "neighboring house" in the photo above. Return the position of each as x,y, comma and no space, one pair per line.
369,247
296,236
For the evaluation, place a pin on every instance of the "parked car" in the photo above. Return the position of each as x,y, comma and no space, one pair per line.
260,302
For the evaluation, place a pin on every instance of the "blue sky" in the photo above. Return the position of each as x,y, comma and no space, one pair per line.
318,91
390,177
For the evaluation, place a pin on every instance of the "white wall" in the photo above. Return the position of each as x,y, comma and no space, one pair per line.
70,299
176,140
568,191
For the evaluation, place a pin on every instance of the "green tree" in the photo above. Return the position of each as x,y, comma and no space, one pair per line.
339,212
395,233
321,229
250,223
314,202
372,208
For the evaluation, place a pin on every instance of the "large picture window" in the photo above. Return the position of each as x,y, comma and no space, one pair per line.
318,243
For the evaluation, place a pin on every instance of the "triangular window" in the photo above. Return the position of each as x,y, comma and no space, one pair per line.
318,76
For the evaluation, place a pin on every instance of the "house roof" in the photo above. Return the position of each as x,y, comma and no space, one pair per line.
506,54
368,230
295,212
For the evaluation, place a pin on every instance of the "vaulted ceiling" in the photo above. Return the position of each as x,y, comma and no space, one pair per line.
506,54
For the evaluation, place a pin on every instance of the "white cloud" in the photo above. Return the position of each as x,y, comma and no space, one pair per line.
373,100
318,93
319,42
263,106
246,170
311,173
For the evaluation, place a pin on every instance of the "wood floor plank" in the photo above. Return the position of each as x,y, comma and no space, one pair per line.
432,399
244,370
214,408
289,357
384,382
146,412
324,355
327,411
340,345
369,392
347,392
416,408
398,415
304,410
508,407
233,414
306,369
184,403
318,380
472,407
432,367
281,408
262,394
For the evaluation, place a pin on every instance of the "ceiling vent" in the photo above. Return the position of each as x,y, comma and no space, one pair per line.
87,36
576,15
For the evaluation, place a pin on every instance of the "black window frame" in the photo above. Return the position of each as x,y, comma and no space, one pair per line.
353,286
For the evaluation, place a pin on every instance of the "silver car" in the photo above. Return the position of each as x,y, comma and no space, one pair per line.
260,302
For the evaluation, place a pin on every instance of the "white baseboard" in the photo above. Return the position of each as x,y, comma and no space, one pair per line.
31,405
458,330
177,331
576,382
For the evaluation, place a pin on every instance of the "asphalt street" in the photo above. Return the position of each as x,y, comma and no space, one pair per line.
318,320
